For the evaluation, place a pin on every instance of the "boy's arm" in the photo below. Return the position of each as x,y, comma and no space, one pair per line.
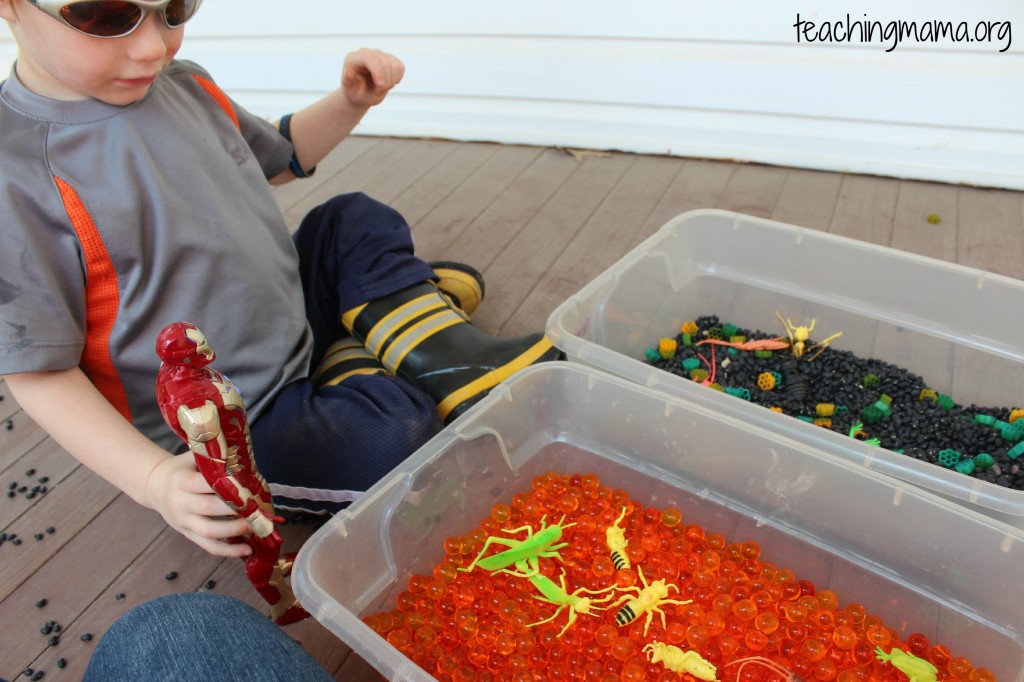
366,78
76,415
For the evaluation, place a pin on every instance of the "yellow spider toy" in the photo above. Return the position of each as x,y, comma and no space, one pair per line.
798,337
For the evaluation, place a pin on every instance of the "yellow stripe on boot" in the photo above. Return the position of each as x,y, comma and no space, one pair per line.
420,336
344,358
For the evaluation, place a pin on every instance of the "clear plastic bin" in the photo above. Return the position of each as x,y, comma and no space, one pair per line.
913,558
958,328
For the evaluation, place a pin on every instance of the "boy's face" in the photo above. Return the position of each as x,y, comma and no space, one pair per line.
60,63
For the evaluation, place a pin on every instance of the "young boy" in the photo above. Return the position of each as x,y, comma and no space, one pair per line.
134,194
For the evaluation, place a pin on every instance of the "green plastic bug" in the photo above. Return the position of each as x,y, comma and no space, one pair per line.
539,544
555,594
916,669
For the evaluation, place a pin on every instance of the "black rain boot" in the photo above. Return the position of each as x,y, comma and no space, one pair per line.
347,356
420,336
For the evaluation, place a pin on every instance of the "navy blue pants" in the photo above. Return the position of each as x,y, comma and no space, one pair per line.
320,447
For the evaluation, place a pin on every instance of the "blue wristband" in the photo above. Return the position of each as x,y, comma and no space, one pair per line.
285,128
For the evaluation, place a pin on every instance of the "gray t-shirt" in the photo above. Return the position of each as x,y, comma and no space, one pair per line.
116,221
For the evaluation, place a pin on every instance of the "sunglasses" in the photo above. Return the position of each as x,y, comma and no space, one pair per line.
115,18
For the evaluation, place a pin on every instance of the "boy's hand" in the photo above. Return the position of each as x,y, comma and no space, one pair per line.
368,75
178,491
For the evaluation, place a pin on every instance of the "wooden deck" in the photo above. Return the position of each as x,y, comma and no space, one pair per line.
539,223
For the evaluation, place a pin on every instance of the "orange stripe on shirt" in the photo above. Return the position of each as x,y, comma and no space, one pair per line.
102,300
219,97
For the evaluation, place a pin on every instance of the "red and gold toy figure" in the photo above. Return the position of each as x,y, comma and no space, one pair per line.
206,411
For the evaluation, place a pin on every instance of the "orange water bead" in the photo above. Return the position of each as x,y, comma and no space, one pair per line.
844,637
623,648
505,643
602,567
863,653
766,622
755,640
784,574
823,620
635,553
857,613
714,622
567,504
960,668
453,545
703,577
650,543
671,517
715,540
418,583
791,590
745,609
824,670
878,635
795,612
982,675
679,546
694,533
443,572
697,636
625,577
797,632
467,630
400,638
762,599
827,600
813,649
606,635
675,632
435,589
918,644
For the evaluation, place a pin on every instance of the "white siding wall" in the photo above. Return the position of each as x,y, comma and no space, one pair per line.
682,77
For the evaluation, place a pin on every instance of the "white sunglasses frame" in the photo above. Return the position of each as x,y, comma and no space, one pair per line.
52,8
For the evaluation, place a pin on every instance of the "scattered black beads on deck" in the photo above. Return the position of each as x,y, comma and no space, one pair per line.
932,429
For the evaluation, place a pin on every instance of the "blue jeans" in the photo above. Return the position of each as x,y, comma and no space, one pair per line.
199,636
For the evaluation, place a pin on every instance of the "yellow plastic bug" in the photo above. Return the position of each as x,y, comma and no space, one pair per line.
647,601
678,661
798,337
617,543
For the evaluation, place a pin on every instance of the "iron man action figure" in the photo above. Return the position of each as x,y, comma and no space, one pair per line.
206,411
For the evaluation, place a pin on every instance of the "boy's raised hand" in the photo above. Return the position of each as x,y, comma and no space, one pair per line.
368,75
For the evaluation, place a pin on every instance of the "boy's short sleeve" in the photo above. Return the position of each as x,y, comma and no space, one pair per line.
271,149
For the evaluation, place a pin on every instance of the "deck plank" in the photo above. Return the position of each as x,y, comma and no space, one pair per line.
69,506
71,580
529,254
808,199
607,233
540,223
435,232
913,232
49,462
18,436
992,236
383,172
753,190
865,209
